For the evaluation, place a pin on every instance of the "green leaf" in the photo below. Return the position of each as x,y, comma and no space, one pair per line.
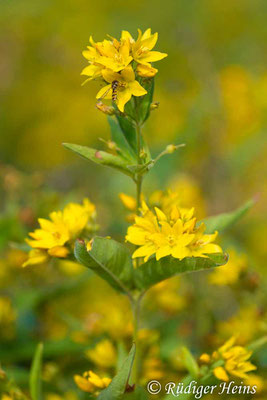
128,130
144,102
35,374
116,388
190,362
101,157
153,271
108,259
119,138
224,221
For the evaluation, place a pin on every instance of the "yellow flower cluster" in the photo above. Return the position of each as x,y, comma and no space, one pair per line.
119,63
173,233
55,235
90,382
234,358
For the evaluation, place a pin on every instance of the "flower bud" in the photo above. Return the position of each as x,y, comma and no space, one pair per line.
171,148
154,106
143,154
205,358
108,110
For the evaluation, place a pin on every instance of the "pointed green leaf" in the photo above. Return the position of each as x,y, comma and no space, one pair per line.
120,140
116,388
190,362
224,221
108,259
153,271
35,374
100,157
128,130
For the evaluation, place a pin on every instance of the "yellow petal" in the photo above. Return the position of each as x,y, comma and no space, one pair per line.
123,97
36,256
149,42
128,74
151,57
128,201
137,89
105,92
58,251
221,374
110,75
125,35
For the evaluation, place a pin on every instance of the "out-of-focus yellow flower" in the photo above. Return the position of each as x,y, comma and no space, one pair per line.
152,365
165,296
55,235
90,382
241,109
128,201
255,380
205,358
127,86
141,49
230,275
103,355
6,397
235,361
172,234
246,324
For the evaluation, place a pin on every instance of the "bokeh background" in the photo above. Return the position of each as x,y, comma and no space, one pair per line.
212,90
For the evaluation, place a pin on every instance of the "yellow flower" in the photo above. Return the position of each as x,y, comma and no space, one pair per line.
174,234
127,86
77,216
103,355
110,54
202,244
141,49
52,232
230,275
90,382
165,296
246,324
56,233
235,361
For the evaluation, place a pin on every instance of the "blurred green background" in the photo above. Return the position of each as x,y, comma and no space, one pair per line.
212,90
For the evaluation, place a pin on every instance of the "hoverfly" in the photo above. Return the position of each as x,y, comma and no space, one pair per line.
114,87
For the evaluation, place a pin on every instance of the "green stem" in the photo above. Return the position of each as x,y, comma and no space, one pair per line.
136,304
139,161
